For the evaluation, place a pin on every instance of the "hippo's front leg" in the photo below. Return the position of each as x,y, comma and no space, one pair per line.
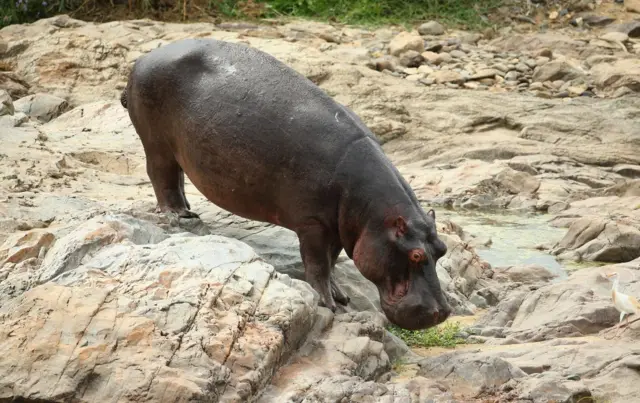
315,249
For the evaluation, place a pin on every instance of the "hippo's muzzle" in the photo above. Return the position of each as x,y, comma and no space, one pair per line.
416,302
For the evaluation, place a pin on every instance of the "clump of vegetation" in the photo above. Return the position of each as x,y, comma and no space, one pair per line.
464,13
459,12
443,335
17,11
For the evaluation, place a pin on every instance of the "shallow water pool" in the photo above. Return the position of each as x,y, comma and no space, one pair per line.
514,237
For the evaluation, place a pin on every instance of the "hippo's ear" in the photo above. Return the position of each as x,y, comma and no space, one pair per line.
432,213
400,226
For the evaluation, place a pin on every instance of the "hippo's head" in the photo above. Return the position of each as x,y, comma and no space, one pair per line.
400,257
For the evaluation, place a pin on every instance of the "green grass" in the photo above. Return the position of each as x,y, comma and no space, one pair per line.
376,12
459,13
444,335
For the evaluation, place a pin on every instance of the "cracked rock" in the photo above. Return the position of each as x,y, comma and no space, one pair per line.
120,310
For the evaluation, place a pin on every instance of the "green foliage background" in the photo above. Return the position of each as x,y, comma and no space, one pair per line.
466,13
387,11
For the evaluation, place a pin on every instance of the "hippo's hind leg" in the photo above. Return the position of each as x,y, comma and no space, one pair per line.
167,179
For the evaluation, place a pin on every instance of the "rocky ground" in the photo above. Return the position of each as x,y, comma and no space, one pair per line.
102,300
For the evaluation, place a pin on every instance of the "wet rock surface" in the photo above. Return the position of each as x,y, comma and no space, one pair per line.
96,290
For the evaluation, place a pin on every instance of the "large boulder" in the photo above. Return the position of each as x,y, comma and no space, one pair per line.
119,309
43,107
596,239
560,310
570,308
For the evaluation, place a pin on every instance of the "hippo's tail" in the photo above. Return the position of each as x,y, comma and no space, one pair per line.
123,98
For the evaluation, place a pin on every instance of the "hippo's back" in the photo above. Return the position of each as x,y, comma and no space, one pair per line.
226,81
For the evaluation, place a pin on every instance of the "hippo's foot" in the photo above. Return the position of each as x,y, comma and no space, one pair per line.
338,295
324,289
330,293
188,214
180,212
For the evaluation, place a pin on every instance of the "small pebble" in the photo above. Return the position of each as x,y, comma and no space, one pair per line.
501,67
512,76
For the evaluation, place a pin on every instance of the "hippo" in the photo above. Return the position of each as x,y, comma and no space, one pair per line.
263,142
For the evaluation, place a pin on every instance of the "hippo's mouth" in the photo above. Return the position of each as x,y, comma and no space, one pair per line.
395,291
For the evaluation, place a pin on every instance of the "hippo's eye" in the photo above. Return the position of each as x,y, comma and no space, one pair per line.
417,255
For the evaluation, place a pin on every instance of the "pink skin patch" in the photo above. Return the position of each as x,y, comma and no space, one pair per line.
367,261
397,291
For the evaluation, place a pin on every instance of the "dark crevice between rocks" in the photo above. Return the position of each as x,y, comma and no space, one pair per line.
491,154
585,181
609,365
86,383
319,78
192,320
488,123
190,323
241,329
